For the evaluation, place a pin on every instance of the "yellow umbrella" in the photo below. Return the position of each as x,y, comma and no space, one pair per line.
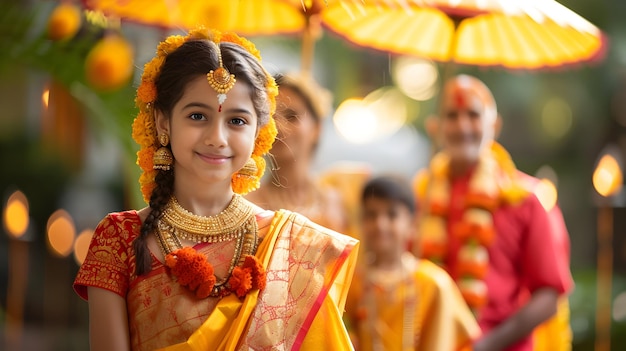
528,34
245,17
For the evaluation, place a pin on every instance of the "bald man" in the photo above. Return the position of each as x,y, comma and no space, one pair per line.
481,221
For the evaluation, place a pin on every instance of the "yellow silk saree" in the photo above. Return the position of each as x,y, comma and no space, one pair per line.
309,269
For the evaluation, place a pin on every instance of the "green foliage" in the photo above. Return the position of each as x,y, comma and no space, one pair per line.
24,45
24,42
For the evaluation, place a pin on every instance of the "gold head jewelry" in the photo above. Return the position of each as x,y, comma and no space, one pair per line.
144,128
236,222
220,79
163,158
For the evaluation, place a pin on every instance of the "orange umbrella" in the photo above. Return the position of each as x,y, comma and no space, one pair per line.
245,17
528,34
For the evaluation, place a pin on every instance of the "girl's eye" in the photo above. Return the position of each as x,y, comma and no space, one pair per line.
238,121
292,117
197,116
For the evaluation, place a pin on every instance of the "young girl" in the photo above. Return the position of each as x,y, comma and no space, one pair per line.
399,302
300,109
202,268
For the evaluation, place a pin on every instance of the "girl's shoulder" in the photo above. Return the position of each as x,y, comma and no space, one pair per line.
125,225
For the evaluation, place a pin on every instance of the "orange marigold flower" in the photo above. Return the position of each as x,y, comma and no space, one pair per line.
471,231
257,270
191,269
265,139
204,290
240,281
170,261
438,209
483,201
145,158
147,92
433,250
234,38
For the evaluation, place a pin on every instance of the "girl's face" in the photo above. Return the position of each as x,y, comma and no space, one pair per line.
387,226
210,144
298,131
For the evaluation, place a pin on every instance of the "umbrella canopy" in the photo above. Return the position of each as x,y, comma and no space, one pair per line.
527,34
246,17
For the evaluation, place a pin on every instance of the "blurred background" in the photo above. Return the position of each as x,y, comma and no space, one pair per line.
67,85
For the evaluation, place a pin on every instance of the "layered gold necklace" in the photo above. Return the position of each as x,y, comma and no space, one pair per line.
236,222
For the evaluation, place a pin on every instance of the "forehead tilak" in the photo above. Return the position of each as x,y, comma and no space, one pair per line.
463,88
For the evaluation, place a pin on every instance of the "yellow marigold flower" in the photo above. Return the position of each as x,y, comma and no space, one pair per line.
64,22
109,64
169,45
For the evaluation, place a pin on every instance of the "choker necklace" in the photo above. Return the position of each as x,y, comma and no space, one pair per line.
236,222
225,226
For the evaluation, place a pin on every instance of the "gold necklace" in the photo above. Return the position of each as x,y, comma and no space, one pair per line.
181,223
225,226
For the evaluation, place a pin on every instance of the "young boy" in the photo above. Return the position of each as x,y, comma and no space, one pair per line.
396,301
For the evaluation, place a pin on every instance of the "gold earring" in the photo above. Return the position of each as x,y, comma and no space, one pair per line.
249,169
163,158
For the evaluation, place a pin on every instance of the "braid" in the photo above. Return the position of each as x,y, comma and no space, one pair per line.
160,196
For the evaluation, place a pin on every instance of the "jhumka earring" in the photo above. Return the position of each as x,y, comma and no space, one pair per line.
249,169
163,158
220,79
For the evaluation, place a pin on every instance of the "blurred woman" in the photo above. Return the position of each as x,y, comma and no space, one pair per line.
301,105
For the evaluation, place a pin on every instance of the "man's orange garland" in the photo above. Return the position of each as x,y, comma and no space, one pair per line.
491,185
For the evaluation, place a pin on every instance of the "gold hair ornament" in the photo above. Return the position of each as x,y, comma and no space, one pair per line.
220,79
144,128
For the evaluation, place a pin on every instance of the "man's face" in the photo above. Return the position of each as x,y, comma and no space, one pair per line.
467,122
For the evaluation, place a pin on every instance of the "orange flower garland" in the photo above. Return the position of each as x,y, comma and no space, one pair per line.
194,271
144,130
491,185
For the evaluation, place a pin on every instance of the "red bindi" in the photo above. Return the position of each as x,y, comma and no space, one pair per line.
459,98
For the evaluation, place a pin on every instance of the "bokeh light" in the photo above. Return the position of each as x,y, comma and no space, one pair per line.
16,215
546,190
546,193
61,233
607,177
81,245
556,118
416,78
45,97
379,114
619,307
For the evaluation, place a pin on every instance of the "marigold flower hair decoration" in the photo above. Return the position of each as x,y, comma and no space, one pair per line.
144,128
